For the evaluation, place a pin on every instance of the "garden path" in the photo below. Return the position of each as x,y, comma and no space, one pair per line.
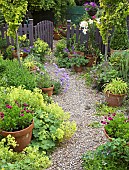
80,101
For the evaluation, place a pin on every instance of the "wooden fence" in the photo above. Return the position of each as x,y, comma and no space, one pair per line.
43,30
80,37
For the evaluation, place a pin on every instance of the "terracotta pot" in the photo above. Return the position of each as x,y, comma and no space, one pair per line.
57,36
22,137
92,60
78,69
108,137
24,55
48,91
114,100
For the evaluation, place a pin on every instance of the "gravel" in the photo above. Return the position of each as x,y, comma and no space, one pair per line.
80,102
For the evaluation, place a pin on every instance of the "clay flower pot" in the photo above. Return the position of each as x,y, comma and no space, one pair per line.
92,60
114,100
108,137
78,69
22,137
48,91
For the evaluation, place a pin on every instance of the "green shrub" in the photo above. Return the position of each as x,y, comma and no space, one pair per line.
17,76
110,156
30,158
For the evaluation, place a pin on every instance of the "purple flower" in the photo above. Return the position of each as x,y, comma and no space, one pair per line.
8,106
27,111
110,118
1,115
93,4
25,104
87,9
85,4
114,114
25,50
31,47
66,50
22,114
103,122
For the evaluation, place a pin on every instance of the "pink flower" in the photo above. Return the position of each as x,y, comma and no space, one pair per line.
27,111
1,115
110,118
103,122
114,114
93,17
22,114
25,104
8,106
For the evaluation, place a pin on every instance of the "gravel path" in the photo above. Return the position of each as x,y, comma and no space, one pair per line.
80,101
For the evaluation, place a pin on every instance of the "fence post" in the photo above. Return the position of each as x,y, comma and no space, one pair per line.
31,35
68,30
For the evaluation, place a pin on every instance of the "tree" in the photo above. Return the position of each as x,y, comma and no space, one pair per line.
13,11
113,13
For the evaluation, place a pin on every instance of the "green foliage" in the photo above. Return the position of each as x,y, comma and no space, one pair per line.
41,49
119,39
111,155
9,51
30,158
13,11
52,126
118,127
78,60
57,87
116,86
58,7
15,116
120,61
17,76
102,109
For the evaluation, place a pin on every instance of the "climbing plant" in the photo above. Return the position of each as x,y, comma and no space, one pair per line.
13,11
113,13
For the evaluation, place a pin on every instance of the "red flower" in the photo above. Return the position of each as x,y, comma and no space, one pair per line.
8,106
1,115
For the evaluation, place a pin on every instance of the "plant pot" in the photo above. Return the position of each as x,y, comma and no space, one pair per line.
92,12
78,69
92,60
14,53
107,136
48,91
114,100
22,137
57,36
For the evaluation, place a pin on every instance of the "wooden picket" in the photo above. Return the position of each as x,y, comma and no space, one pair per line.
43,30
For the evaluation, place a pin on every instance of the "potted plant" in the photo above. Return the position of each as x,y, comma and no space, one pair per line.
45,83
78,61
40,49
16,119
115,92
91,8
116,126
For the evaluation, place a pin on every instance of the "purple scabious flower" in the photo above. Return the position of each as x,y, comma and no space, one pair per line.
85,4
25,50
93,4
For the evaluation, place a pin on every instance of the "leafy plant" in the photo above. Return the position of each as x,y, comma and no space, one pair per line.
9,51
111,155
15,116
78,60
17,76
41,49
30,158
116,126
119,39
116,86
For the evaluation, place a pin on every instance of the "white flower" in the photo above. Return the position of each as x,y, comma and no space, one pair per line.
90,21
98,20
84,24
85,30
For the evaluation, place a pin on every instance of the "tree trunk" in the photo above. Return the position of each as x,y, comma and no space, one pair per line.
18,49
